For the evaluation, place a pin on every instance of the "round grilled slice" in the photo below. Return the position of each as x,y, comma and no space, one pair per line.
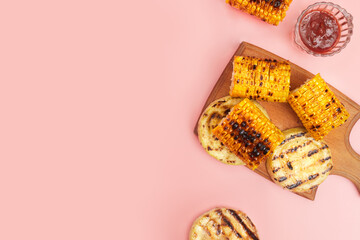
299,163
221,224
210,118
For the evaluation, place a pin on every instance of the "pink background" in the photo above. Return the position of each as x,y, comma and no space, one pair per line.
98,102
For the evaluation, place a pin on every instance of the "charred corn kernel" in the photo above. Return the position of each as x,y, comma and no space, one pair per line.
248,133
273,11
260,79
317,107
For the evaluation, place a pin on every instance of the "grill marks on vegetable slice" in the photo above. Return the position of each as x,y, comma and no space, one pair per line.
228,223
292,186
292,150
311,177
327,170
312,152
238,218
310,156
281,179
325,159
293,137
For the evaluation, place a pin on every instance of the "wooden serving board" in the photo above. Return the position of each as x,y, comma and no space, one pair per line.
346,160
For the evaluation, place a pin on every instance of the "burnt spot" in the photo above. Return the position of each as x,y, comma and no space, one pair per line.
261,83
277,4
312,152
275,170
311,177
326,90
292,186
226,128
237,81
325,159
282,179
290,166
338,110
327,170
327,105
218,230
296,96
261,77
254,67
215,105
227,111
209,148
324,147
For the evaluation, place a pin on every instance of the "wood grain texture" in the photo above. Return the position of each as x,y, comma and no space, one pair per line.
346,160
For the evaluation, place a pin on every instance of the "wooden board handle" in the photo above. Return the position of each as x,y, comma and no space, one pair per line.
350,167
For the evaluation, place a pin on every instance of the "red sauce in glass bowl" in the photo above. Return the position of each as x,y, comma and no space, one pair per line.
319,31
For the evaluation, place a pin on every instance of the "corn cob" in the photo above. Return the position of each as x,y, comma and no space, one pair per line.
317,107
271,11
247,132
255,78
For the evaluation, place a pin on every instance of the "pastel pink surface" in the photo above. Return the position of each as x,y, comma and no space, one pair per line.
99,100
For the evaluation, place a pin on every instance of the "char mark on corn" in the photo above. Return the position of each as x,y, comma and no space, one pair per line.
268,81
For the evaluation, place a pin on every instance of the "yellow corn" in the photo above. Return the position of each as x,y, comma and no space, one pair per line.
248,133
271,11
260,79
317,107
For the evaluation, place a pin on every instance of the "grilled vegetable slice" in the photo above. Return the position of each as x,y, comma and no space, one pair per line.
247,132
299,163
223,223
210,118
317,107
272,12
260,79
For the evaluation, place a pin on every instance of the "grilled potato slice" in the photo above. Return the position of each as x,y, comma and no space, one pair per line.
221,224
210,118
299,163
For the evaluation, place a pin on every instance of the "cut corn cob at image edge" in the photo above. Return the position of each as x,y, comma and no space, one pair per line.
260,79
248,133
272,12
318,108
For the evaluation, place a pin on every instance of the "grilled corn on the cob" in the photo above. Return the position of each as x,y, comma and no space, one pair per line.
317,107
273,11
248,133
260,79
210,118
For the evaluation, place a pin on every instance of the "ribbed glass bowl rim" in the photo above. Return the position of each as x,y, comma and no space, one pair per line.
348,17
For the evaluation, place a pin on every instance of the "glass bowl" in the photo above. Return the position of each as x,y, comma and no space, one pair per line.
341,15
